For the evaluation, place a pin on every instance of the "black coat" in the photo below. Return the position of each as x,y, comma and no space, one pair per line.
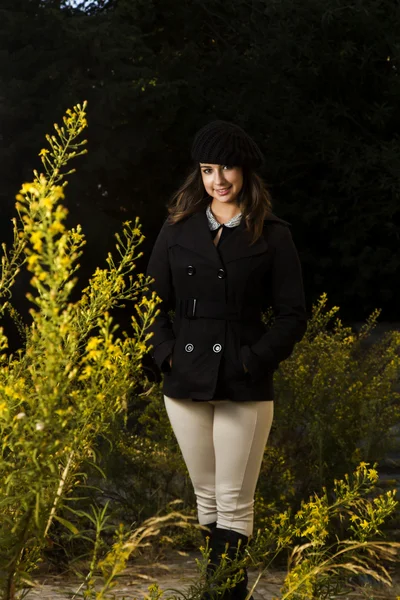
218,296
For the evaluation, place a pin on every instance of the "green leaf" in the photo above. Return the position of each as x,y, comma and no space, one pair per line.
67,524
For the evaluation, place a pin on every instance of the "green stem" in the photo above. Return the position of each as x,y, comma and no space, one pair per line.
59,492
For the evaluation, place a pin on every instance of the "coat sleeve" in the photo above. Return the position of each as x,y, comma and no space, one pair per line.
159,269
288,305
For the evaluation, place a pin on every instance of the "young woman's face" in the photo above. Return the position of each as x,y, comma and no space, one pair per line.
222,182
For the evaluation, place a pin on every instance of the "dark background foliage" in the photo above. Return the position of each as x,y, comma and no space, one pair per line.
315,82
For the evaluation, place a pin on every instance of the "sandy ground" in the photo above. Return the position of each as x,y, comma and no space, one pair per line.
175,571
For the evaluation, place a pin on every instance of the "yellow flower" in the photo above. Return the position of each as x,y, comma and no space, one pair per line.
87,371
32,261
56,227
28,188
93,343
58,192
36,240
141,347
46,202
43,152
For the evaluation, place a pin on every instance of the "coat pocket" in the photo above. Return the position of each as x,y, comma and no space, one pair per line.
233,361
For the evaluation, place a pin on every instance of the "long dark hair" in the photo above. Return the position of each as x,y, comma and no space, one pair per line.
254,200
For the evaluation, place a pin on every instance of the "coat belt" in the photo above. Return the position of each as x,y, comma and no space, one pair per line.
193,308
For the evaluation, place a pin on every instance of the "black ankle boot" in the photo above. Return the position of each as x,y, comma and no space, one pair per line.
236,547
216,546
236,550
210,568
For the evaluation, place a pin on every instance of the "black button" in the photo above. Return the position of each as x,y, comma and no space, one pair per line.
190,270
221,274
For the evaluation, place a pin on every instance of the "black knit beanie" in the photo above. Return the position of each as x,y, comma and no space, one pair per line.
223,143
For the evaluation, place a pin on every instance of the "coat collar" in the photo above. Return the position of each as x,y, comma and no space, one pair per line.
195,235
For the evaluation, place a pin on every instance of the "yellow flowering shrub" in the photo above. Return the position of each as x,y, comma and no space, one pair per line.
75,373
336,401
331,537
146,469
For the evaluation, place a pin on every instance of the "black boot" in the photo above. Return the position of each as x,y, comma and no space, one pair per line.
236,550
233,544
216,546
208,534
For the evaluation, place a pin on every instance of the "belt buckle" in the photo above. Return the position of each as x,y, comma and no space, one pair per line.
191,308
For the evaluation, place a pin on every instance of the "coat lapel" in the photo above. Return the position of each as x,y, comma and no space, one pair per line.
195,235
237,245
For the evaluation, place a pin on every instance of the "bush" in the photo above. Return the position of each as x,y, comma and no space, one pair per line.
74,375
332,537
145,470
336,400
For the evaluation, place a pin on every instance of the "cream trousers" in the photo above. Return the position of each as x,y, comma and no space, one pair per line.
222,443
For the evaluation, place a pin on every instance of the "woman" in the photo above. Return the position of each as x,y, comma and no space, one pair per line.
221,259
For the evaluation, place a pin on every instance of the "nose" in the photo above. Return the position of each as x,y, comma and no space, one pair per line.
219,177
